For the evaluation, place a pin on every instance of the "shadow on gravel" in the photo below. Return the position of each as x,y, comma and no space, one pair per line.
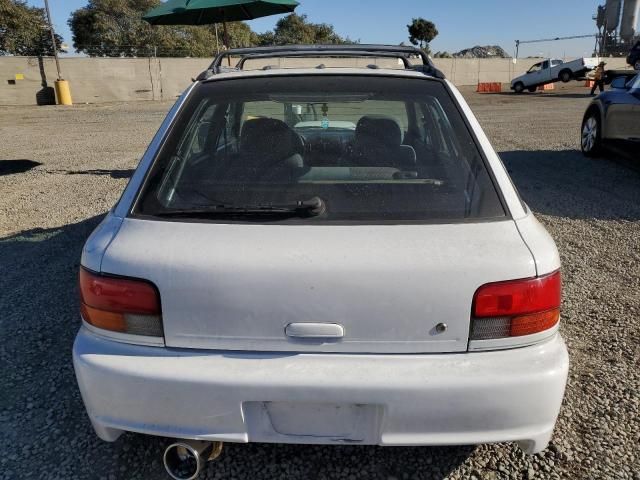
10,167
43,418
40,408
585,95
265,461
123,173
566,184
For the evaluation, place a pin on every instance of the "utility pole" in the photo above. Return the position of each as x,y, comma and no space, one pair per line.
63,93
53,39
215,25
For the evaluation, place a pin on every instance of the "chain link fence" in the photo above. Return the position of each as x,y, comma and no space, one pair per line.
137,51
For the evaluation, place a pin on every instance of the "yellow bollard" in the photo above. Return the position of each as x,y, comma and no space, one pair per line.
63,94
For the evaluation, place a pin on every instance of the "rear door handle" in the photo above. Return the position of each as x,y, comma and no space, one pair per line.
314,330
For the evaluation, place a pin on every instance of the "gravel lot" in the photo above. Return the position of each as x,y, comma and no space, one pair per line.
85,154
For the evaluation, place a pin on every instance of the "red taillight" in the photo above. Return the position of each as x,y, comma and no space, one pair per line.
516,308
120,305
518,297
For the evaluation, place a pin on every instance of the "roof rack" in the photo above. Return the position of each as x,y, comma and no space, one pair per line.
403,53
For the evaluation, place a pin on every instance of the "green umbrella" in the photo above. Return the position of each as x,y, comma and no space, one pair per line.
203,12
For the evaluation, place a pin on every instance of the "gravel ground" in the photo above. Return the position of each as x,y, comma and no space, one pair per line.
85,155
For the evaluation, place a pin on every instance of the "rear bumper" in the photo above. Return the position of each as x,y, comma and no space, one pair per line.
454,399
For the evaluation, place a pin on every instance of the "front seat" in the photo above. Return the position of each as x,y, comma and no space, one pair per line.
270,151
378,143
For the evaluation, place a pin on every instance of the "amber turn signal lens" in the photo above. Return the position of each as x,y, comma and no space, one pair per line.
534,323
102,319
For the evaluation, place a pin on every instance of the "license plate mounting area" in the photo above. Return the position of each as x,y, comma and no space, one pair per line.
312,422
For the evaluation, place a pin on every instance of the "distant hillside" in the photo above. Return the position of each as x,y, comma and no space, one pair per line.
488,51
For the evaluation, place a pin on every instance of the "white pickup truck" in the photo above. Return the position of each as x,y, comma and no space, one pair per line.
553,70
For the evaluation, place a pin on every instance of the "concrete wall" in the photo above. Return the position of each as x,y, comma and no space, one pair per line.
29,81
177,73
470,71
97,80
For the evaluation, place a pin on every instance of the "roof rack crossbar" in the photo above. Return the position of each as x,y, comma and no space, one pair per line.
333,53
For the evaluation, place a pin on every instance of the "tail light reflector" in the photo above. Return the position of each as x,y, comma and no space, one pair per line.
516,308
120,304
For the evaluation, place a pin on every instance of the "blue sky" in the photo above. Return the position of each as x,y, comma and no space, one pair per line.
462,23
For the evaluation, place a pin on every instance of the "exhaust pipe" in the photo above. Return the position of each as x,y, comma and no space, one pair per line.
184,460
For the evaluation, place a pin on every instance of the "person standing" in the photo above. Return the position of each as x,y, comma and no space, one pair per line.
599,79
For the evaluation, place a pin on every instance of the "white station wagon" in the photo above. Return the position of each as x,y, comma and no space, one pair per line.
321,256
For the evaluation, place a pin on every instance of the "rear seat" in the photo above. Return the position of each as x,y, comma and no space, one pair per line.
378,143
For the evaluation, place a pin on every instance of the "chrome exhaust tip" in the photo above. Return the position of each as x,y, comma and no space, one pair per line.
184,460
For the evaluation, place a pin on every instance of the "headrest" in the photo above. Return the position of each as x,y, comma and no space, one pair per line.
269,139
379,130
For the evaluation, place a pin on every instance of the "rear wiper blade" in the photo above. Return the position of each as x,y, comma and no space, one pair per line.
305,208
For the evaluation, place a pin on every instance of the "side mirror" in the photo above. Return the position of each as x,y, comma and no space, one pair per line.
619,83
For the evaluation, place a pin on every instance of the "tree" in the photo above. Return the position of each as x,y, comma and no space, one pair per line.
115,28
296,29
24,30
240,35
442,55
422,32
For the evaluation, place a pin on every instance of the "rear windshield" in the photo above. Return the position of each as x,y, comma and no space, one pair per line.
317,149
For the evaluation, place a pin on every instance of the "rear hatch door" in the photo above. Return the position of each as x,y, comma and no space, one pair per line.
385,288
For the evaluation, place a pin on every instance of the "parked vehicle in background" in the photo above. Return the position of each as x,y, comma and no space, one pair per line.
633,58
613,117
326,256
553,70
611,75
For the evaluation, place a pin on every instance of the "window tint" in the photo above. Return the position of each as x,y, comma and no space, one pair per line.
371,148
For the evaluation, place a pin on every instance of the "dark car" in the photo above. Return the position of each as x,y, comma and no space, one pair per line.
611,75
613,117
633,58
